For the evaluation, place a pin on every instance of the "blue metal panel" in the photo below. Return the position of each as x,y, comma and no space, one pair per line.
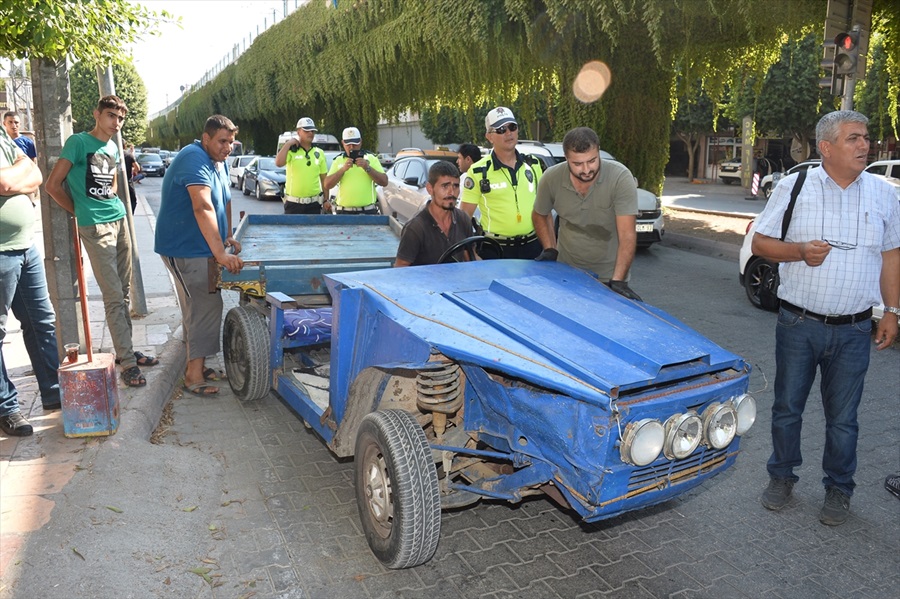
539,321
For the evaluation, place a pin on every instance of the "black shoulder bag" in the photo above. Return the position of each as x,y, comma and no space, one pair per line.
768,286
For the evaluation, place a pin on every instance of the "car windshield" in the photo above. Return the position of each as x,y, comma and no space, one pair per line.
149,158
268,164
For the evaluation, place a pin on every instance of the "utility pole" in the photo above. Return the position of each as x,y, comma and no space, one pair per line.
847,26
138,300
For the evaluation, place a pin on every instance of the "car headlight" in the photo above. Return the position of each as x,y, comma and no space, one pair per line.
719,425
745,406
642,442
683,434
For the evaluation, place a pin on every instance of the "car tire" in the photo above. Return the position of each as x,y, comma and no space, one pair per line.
397,490
753,275
245,345
767,190
259,196
244,189
727,181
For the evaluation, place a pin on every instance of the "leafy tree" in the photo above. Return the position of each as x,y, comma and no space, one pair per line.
129,86
97,31
693,119
878,96
375,59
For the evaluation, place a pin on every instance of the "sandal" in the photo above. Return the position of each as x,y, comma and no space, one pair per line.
142,359
133,377
211,374
200,389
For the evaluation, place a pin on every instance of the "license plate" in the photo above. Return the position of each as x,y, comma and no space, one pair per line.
644,228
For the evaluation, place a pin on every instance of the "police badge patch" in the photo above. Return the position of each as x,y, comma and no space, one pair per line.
469,183
530,176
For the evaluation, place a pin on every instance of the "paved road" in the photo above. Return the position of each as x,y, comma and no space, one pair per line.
244,495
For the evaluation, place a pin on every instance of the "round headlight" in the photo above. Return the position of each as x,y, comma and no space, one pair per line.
745,406
642,442
683,434
719,425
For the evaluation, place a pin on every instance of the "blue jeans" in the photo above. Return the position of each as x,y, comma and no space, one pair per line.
23,288
841,353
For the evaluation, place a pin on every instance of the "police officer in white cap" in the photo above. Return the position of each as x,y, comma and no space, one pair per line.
306,167
358,172
503,186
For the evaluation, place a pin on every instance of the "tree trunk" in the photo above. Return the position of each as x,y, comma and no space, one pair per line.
53,125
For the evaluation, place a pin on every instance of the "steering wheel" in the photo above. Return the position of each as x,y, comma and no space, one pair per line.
469,244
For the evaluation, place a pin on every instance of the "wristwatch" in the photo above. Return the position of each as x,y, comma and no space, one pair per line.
892,310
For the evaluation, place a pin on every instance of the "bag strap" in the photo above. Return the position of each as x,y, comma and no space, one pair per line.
786,220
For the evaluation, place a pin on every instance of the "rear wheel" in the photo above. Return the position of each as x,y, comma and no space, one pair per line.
397,489
245,343
753,277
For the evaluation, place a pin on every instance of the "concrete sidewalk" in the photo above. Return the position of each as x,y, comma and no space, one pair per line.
33,469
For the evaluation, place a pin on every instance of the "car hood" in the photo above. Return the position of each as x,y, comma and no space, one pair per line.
277,176
546,323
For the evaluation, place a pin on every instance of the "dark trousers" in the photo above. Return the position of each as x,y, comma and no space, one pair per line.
296,208
522,251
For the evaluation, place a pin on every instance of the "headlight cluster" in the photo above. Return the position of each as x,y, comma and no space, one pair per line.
680,435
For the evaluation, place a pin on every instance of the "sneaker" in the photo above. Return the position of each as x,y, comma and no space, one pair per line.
15,425
777,494
892,484
836,508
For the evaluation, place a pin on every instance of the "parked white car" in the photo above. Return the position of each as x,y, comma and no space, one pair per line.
236,166
768,183
889,169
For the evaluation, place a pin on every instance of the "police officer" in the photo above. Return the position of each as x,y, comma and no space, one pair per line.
358,172
306,167
503,186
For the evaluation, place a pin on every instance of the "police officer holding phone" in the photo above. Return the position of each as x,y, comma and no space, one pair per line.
306,166
503,186
358,172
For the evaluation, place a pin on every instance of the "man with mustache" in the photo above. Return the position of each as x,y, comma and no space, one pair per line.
439,224
596,203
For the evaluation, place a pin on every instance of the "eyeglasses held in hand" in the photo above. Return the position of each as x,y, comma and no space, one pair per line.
502,128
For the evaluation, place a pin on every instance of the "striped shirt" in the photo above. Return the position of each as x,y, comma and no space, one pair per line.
864,219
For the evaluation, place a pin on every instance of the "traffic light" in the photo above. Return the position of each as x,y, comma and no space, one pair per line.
846,54
832,80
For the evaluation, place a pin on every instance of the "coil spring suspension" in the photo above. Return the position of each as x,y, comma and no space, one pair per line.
440,390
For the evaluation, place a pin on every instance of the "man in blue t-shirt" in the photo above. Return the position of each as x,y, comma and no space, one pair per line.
11,124
194,225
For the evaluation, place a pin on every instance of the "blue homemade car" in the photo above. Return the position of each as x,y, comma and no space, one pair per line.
495,380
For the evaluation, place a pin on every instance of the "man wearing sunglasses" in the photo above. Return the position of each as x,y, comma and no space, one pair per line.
840,257
306,168
503,185
358,172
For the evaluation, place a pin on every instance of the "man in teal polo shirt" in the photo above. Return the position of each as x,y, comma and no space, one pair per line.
357,172
306,167
503,185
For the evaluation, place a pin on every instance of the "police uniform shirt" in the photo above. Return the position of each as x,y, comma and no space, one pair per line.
506,208
357,189
303,171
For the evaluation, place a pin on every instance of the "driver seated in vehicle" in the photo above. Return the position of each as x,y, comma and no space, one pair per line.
439,224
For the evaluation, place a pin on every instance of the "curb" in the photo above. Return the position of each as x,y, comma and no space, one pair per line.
707,247
749,215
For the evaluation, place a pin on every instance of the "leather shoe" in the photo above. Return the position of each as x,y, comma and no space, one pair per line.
50,407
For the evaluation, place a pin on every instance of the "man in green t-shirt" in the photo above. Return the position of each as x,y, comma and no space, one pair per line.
83,182
305,172
357,172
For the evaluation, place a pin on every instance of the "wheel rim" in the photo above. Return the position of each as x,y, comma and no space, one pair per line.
378,490
237,356
754,281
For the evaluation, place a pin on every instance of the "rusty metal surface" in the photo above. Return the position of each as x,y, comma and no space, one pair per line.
90,398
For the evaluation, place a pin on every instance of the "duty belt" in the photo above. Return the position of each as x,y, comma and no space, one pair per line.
355,208
512,241
310,200
848,319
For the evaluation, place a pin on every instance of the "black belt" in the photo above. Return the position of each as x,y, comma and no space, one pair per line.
511,241
848,319
368,208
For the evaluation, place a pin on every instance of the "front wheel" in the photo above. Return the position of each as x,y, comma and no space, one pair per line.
245,344
259,196
244,188
767,190
397,489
